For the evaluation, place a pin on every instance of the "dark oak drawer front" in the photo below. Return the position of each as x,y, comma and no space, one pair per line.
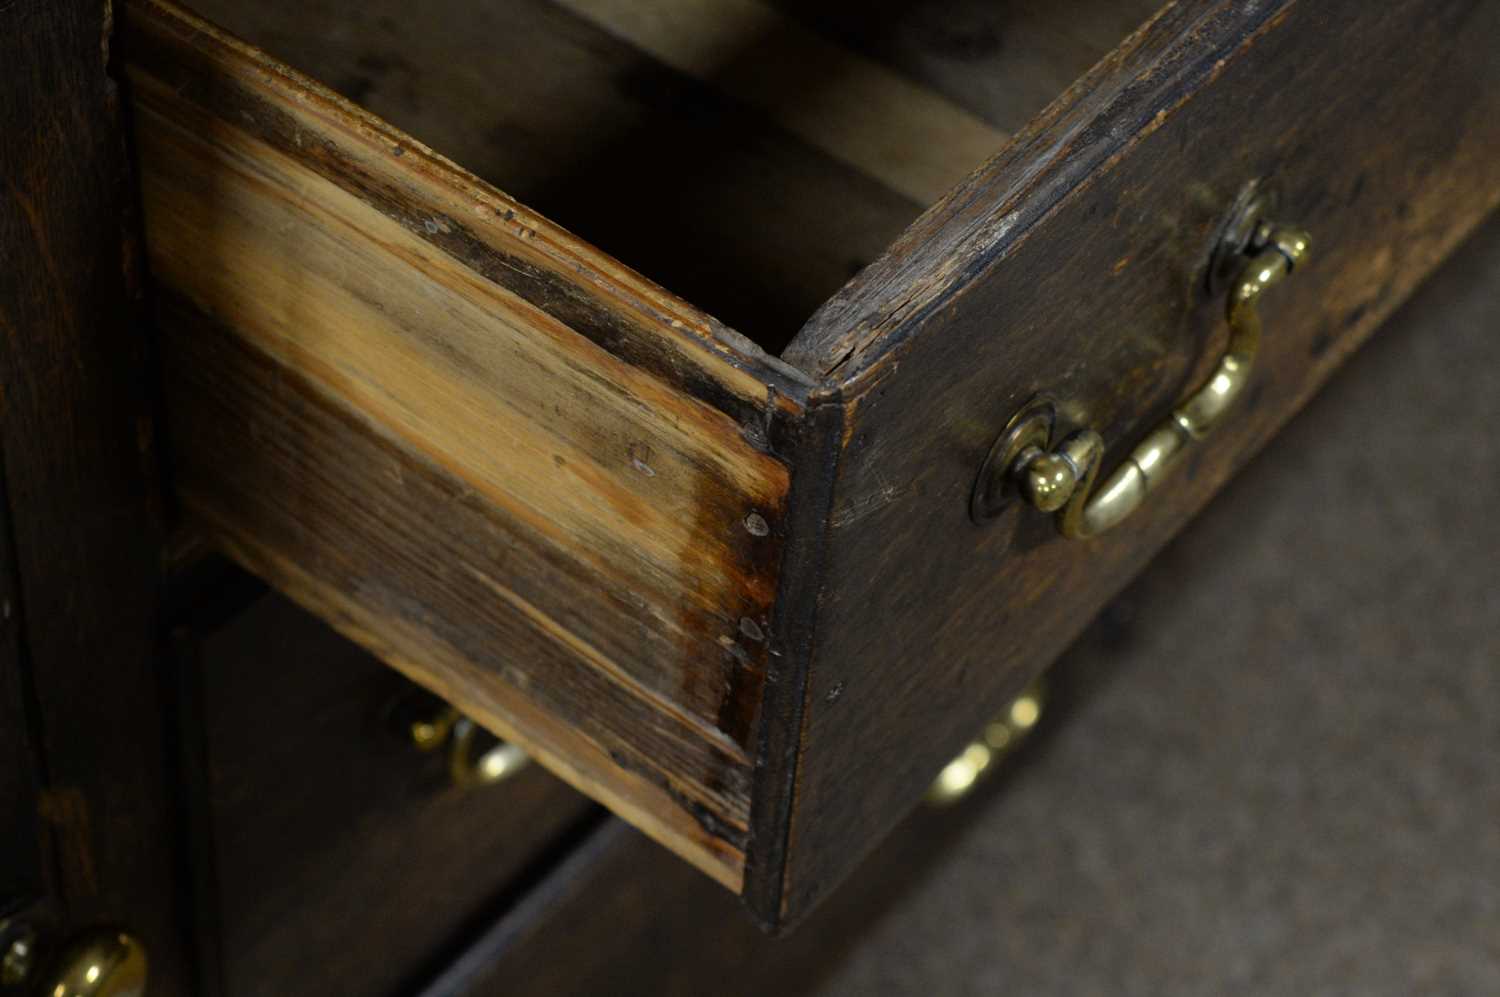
738,598
1074,265
344,859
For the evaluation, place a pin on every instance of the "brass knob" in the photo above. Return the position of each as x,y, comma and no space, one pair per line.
99,963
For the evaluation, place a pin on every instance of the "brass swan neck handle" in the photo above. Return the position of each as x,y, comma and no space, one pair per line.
1063,480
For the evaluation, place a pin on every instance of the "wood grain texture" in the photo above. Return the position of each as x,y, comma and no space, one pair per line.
80,495
741,602
856,109
326,827
1002,60
1074,264
524,475
698,190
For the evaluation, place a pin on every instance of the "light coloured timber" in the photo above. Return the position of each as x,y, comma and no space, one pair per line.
701,192
331,285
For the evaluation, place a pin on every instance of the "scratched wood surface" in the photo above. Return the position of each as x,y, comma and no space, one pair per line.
699,191
746,609
265,297
737,121
1075,265
537,483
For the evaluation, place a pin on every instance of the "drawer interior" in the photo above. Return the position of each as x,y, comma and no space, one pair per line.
748,155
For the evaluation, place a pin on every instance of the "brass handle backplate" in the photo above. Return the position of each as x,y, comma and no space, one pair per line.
1062,479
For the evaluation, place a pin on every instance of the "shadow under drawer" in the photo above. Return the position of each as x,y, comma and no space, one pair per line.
330,854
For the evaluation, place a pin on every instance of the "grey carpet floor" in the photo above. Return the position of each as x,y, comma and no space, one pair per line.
1276,764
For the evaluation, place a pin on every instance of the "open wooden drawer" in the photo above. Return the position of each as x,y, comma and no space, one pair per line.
728,582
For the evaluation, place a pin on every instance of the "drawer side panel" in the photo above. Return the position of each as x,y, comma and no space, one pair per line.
517,471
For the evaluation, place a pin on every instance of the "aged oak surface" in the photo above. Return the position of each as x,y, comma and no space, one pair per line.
1073,265
734,120
697,190
738,599
524,475
80,487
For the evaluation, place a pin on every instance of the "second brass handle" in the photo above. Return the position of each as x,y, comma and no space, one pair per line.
1063,479
474,757
473,763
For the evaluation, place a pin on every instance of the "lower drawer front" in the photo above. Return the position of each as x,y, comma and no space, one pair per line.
613,918
337,857
622,917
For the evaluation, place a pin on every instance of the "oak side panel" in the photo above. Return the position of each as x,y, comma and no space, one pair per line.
508,465
79,501
1073,264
